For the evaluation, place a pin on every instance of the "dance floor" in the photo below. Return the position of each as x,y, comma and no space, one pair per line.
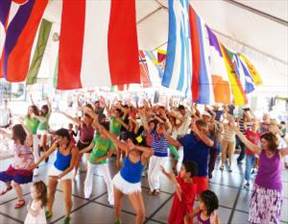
228,186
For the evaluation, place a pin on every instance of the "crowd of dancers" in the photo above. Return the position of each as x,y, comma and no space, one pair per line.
181,143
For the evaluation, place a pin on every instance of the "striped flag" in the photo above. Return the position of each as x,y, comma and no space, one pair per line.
239,96
221,85
99,47
42,41
244,75
21,25
178,69
151,56
202,86
252,70
144,71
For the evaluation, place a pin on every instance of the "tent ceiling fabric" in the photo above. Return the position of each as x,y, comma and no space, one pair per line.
260,38
252,29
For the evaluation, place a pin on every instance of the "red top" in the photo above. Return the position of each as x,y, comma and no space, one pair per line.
180,208
253,137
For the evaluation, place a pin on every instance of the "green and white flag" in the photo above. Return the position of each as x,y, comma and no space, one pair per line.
43,36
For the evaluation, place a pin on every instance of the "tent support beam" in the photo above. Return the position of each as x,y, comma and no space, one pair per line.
148,15
258,12
243,44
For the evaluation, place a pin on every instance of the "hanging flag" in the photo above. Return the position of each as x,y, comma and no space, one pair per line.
20,34
4,11
239,96
144,71
202,86
220,80
151,56
161,55
178,68
161,60
99,48
252,70
43,36
243,75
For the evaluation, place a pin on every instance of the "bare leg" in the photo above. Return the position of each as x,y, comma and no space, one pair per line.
52,184
136,200
18,190
67,189
117,202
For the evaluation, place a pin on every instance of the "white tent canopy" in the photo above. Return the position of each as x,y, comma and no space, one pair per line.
259,29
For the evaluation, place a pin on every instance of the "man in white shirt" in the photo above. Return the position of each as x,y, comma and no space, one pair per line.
5,115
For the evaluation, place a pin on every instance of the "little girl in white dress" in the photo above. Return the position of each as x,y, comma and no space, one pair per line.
36,212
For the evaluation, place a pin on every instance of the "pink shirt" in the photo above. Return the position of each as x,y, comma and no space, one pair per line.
23,156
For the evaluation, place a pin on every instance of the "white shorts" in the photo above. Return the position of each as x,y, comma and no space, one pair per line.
124,186
53,171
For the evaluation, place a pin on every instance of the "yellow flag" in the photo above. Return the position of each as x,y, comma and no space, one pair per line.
239,94
252,70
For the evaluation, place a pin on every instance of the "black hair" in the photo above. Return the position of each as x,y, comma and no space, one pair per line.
44,108
125,135
64,133
210,199
181,107
191,167
18,133
89,106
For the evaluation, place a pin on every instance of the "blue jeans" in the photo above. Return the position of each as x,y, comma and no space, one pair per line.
250,161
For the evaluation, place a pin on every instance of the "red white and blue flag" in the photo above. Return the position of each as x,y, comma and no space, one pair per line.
19,20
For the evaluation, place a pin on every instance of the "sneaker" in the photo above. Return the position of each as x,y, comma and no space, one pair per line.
117,221
48,215
67,220
246,186
222,168
230,169
36,172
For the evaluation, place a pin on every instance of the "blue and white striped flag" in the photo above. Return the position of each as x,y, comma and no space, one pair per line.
178,70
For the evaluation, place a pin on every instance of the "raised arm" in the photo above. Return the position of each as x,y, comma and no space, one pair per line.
203,137
46,154
4,133
283,152
173,141
254,148
171,176
73,119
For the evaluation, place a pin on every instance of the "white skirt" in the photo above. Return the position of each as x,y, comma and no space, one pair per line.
53,171
124,186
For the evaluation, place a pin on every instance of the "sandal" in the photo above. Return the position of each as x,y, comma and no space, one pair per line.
157,192
48,215
67,220
20,204
6,190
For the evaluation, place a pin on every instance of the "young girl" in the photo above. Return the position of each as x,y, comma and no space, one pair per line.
36,213
19,172
185,194
206,212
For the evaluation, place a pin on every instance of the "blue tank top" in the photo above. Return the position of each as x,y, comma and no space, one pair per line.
62,162
131,172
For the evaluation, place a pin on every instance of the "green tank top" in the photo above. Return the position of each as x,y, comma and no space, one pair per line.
31,124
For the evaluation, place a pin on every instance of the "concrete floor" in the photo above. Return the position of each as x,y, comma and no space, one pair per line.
228,186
